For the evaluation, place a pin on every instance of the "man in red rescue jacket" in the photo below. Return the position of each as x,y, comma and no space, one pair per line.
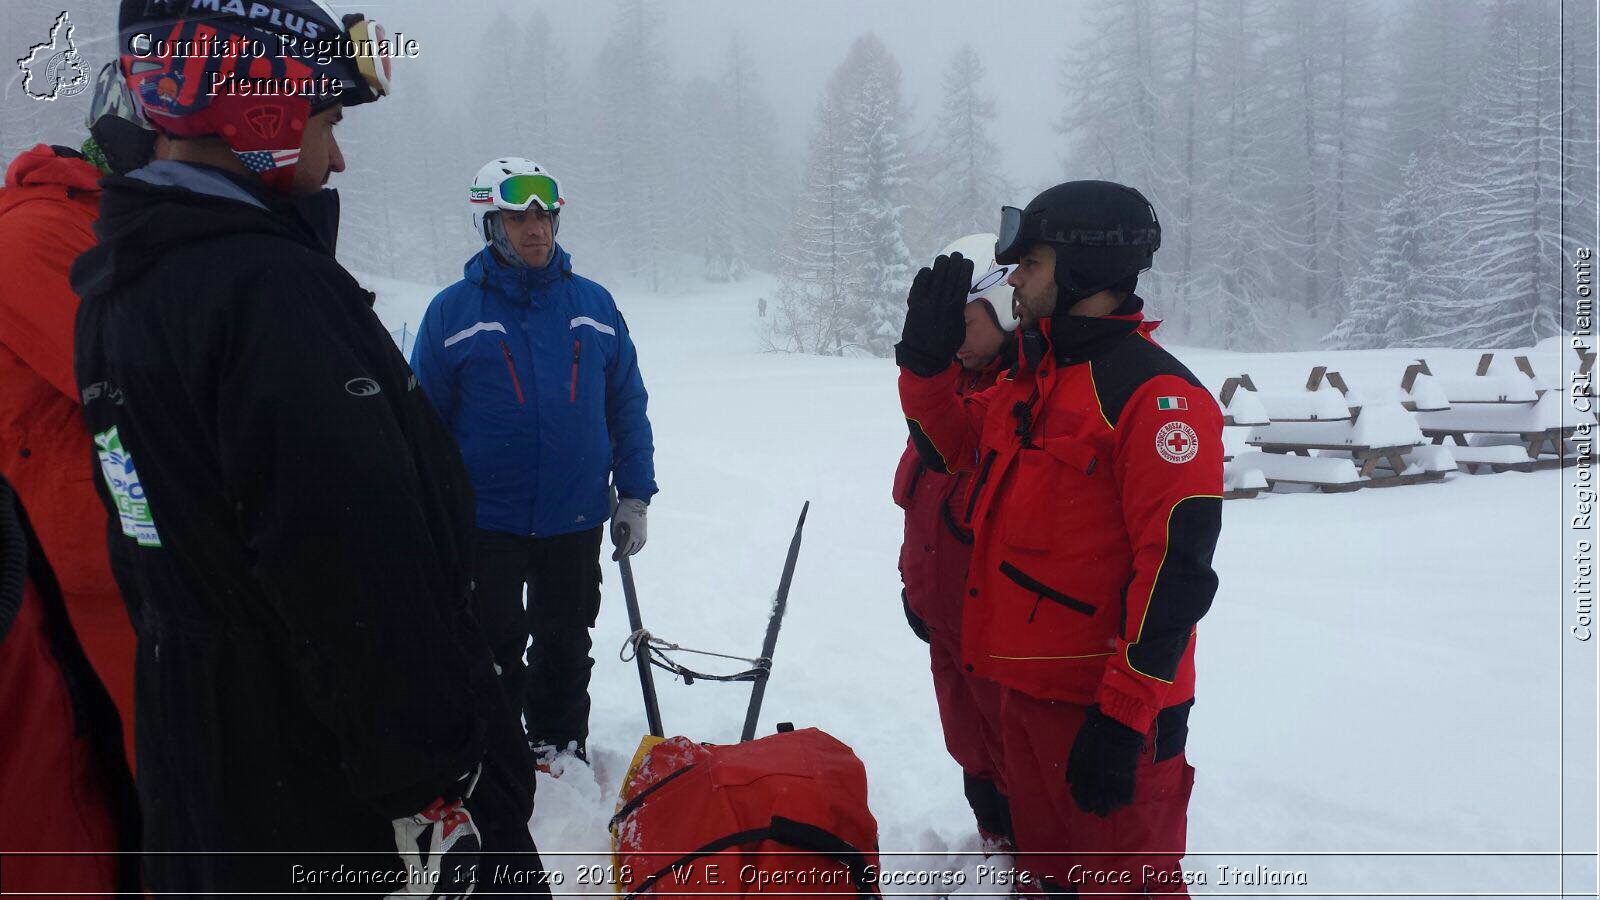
1097,503
934,557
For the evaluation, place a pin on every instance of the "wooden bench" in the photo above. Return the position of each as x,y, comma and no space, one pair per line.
1375,439
1486,405
1326,474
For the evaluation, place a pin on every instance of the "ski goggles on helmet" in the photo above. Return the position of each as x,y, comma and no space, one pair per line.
112,98
991,288
985,282
371,50
1018,229
1008,245
520,192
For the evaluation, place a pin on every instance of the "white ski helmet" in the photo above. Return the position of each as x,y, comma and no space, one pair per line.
988,279
515,184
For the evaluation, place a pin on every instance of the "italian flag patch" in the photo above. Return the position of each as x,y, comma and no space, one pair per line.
1171,403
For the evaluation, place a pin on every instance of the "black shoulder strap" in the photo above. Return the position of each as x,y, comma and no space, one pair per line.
960,534
13,559
633,803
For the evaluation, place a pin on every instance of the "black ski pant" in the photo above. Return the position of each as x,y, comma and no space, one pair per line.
561,575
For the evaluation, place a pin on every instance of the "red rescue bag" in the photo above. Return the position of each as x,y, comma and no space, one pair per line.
784,814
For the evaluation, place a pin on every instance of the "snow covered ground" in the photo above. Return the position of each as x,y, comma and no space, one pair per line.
1379,675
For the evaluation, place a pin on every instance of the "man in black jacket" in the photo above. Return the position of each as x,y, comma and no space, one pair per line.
288,516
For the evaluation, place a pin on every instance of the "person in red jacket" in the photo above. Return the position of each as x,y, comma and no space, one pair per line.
1097,504
62,768
66,642
934,556
47,211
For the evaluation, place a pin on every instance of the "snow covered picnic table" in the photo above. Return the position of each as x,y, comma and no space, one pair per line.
1357,444
1241,409
1487,410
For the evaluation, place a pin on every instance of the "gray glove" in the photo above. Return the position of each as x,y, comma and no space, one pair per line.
628,527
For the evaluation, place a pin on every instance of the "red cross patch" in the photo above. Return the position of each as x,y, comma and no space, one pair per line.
1177,442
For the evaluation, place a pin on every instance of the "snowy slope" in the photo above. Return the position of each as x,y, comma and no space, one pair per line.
1378,672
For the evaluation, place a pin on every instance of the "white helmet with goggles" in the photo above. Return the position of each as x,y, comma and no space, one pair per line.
513,184
988,278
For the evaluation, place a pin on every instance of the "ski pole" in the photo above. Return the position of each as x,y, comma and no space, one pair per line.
641,655
759,688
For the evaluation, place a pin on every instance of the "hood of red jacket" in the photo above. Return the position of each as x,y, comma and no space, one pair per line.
46,166
1076,338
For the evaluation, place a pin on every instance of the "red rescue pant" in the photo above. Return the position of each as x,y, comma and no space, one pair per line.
1076,850
969,710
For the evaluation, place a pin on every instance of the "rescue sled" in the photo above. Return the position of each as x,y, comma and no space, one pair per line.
783,814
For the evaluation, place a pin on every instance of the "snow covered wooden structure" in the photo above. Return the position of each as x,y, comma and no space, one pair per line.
1241,410
1358,444
1503,418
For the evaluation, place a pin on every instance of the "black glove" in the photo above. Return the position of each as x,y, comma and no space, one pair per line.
918,627
935,325
1100,768
442,843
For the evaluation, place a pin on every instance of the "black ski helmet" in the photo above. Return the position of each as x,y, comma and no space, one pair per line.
1104,233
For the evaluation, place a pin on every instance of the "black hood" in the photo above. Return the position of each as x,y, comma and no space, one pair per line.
140,222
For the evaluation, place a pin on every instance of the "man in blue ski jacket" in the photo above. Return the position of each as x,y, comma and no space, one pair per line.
533,369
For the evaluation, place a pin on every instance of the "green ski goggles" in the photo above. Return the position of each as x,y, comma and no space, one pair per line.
520,192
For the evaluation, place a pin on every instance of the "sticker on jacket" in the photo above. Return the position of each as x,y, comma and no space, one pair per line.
116,464
1171,403
1177,442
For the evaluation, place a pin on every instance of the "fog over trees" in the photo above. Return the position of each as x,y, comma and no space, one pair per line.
1353,174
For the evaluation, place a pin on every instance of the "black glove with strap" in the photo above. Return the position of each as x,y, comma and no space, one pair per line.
1100,768
935,325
